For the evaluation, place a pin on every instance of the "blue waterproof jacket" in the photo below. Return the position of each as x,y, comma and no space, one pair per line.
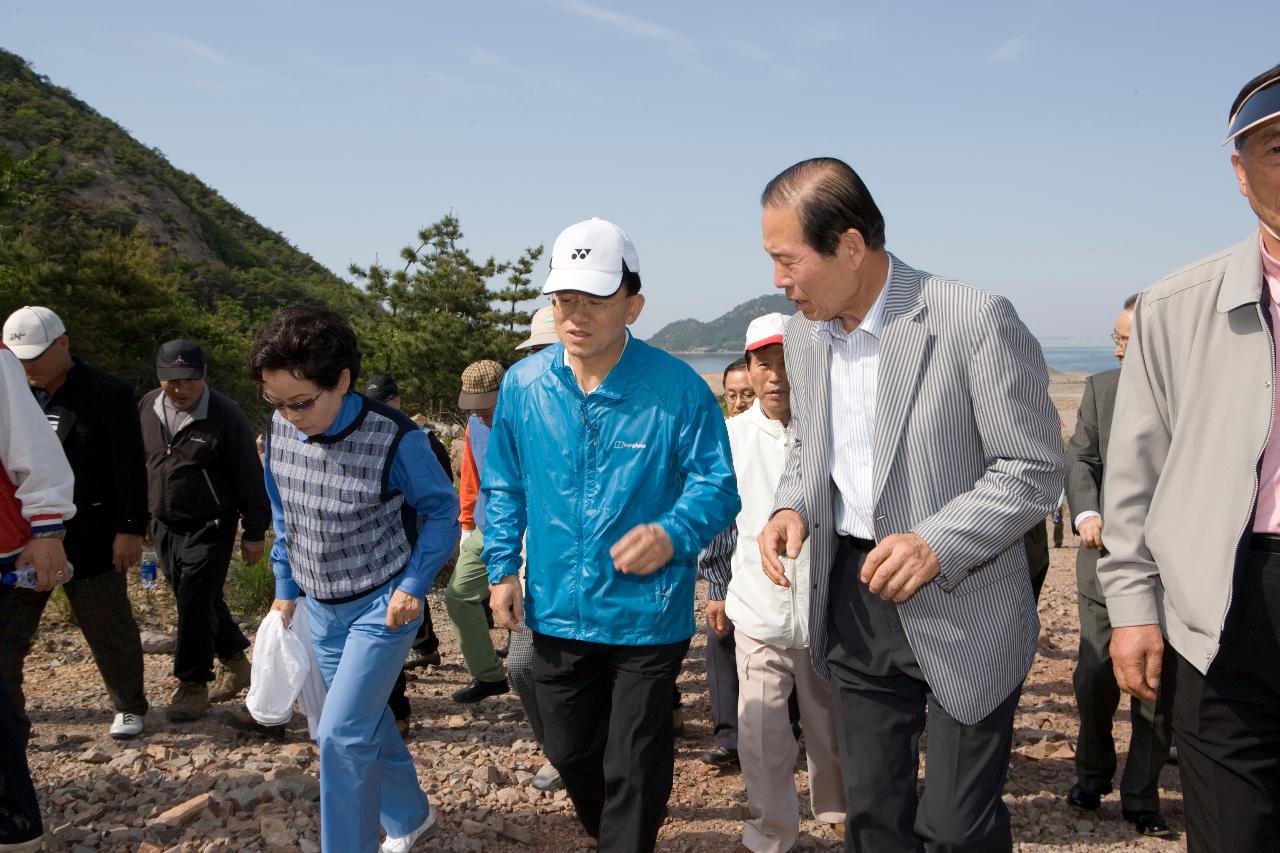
579,471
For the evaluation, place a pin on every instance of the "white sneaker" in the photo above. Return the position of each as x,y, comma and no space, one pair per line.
126,726
547,779
32,846
404,843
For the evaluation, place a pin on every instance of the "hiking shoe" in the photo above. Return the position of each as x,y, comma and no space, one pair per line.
233,677
190,702
125,726
1149,823
477,690
241,720
404,843
31,845
547,779
402,726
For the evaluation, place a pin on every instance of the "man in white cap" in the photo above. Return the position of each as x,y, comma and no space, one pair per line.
95,419
771,624
614,456
1191,505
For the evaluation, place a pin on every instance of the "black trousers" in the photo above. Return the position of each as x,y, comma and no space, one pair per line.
722,684
606,712
195,560
1228,722
424,642
1098,697
19,809
883,705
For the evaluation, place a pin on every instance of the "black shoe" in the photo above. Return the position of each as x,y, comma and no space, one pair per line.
1084,799
241,720
1149,824
720,756
417,660
477,690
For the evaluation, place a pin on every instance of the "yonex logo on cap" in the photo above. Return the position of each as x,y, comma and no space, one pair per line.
17,336
579,254
179,362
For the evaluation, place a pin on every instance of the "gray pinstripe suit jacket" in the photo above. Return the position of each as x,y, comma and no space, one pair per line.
967,454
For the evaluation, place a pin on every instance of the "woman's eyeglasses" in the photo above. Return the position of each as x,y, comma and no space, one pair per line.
298,407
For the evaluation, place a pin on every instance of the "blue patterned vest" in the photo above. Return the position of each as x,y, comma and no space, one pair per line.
346,534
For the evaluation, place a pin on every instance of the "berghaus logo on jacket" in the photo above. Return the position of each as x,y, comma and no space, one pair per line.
629,445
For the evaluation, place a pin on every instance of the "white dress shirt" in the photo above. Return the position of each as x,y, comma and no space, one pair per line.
854,377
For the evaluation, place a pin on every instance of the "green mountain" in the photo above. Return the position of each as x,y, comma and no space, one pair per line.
723,334
130,250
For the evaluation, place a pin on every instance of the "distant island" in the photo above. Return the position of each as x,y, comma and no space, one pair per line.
723,334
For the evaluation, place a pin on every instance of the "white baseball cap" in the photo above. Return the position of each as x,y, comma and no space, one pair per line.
765,330
589,257
29,331
542,330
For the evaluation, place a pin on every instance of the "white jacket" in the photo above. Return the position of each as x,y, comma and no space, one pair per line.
757,606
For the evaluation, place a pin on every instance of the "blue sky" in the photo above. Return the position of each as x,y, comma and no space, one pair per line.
1063,154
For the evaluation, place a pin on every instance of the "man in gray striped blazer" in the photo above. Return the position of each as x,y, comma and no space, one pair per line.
927,446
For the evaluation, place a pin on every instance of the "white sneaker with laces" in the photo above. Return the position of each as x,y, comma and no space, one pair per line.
404,843
547,779
126,726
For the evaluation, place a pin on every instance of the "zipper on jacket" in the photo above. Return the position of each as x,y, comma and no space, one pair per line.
582,509
209,482
1244,530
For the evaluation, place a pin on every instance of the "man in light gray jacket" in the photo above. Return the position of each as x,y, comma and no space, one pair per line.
1192,506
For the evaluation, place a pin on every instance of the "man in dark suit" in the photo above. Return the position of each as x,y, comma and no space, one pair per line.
95,419
1097,694
926,447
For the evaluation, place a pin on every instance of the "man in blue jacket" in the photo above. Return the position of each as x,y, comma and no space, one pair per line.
621,453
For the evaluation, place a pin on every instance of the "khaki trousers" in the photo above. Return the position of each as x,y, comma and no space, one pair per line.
767,748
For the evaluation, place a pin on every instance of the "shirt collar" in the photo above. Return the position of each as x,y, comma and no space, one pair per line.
1270,265
873,324
612,384
352,404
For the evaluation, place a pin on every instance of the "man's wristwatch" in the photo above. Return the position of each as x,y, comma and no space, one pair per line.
48,534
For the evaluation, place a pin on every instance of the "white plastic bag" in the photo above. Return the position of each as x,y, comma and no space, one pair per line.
281,663
313,689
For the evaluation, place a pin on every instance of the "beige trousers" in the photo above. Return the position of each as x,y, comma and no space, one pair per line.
767,749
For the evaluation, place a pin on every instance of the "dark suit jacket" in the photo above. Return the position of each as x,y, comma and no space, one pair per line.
1086,460
96,419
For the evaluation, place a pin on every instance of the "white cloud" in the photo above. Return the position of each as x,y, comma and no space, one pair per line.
1009,50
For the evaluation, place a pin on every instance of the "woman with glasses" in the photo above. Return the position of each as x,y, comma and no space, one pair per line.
349,480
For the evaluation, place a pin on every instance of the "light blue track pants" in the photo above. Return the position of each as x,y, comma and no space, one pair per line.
367,777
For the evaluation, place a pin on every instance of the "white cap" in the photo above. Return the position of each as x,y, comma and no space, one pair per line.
588,257
542,330
765,330
30,330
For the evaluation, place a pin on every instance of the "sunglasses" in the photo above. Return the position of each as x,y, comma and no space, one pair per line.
298,407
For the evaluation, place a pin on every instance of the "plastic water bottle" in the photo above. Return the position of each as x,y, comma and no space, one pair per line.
148,574
25,577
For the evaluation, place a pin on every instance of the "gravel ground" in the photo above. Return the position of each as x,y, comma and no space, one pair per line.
201,786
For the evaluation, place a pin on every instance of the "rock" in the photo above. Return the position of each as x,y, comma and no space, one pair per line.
183,814
275,831
471,827
510,796
245,799
159,752
156,643
303,786
516,832
93,755
455,721
306,845
148,847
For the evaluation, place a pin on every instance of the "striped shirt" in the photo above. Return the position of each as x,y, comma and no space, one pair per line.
855,367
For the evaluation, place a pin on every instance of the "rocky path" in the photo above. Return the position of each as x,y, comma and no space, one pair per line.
203,787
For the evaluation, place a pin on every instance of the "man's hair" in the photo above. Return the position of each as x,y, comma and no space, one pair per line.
740,364
1131,301
829,199
311,342
1268,76
630,280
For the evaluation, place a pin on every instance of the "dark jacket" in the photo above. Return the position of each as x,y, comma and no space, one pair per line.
210,469
1086,462
93,417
